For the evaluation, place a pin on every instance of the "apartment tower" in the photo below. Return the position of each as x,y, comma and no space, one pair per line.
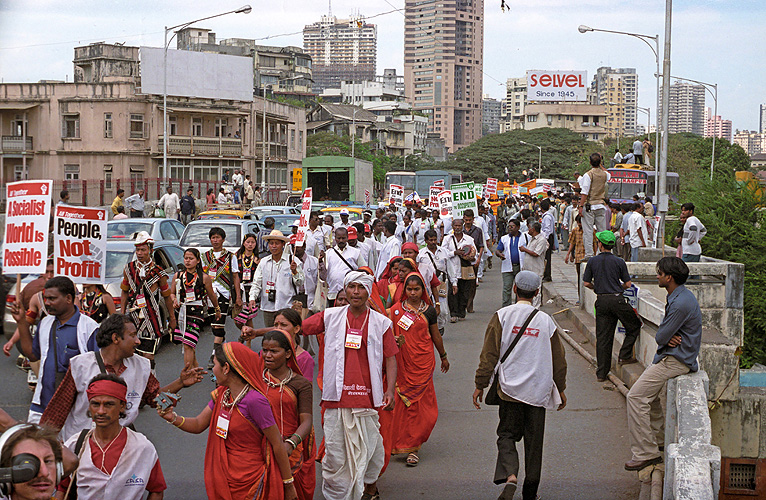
443,61
686,109
341,50
617,89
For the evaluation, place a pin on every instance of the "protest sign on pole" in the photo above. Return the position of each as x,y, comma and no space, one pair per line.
396,195
367,198
27,219
478,190
445,204
439,182
491,186
79,244
463,198
303,222
433,192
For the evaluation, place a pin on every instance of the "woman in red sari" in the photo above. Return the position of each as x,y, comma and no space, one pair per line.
406,266
417,333
245,456
390,274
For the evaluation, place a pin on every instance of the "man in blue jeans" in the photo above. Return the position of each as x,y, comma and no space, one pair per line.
508,252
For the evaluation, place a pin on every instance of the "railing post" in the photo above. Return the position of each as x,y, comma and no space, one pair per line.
85,193
101,198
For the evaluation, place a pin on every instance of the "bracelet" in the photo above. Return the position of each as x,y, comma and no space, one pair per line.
296,435
443,356
217,308
175,417
288,481
289,440
183,420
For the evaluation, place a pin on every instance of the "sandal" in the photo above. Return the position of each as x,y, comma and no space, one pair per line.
412,460
373,496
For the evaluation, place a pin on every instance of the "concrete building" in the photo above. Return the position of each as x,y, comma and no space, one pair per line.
618,86
391,80
490,116
762,118
443,61
280,70
512,107
752,142
102,129
585,119
341,50
715,126
686,108
375,97
417,132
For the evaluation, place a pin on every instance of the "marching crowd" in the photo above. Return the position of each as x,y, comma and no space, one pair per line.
377,295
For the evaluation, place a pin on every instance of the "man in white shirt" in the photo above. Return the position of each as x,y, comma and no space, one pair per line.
276,279
170,204
435,257
339,260
390,249
638,151
534,260
343,222
136,204
548,228
315,231
327,229
617,157
482,224
313,271
222,198
461,249
367,246
636,231
694,231
592,207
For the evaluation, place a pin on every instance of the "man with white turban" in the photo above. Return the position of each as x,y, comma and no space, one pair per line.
358,343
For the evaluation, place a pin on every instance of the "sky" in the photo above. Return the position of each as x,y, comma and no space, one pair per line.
714,41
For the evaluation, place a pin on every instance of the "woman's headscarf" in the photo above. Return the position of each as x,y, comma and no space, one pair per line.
410,246
401,295
245,362
387,272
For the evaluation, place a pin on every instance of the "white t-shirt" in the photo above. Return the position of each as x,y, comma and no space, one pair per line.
636,223
638,148
693,233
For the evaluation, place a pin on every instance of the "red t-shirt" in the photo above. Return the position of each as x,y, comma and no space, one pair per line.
357,385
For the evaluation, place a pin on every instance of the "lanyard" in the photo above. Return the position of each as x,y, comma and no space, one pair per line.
364,323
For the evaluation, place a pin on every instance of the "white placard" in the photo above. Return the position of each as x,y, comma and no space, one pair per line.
557,85
27,219
303,222
367,198
396,195
463,198
439,182
491,186
79,244
445,204
433,193
478,189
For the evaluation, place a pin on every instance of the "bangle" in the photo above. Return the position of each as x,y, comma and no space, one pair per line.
175,417
443,356
298,436
183,420
217,308
289,440
288,481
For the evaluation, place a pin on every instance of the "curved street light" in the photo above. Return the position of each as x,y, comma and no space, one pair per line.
539,159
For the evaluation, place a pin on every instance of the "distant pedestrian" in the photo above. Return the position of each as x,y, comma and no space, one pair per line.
136,204
678,337
120,213
169,203
607,275
617,158
188,207
576,251
117,202
638,151
534,260
630,158
63,197
548,229
512,258
222,198
210,197
694,231
648,149
636,231
592,206
522,348
257,196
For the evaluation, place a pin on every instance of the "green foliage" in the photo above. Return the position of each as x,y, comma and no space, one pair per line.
291,101
563,152
736,231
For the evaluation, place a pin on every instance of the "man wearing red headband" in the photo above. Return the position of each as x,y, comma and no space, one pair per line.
115,462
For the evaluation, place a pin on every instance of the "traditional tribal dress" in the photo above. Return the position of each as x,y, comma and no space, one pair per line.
93,306
144,304
247,267
190,290
220,272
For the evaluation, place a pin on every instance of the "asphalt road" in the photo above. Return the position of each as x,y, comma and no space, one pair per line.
585,444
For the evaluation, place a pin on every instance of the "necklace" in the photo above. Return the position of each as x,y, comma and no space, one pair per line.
91,307
190,284
420,309
227,395
281,383
104,450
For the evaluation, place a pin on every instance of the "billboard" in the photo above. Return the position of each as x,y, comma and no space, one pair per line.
557,85
197,74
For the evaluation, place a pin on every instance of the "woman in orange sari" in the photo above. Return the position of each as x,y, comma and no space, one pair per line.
417,333
389,275
395,287
245,456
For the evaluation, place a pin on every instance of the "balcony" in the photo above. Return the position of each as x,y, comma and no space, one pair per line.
202,146
15,144
273,150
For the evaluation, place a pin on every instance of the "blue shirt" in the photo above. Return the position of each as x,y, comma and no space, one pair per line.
514,250
67,348
682,317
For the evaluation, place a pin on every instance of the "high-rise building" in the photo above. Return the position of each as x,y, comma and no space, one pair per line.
490,116
617,88
715,126
762,120
512,109
686,109
341,50
752,142
443,61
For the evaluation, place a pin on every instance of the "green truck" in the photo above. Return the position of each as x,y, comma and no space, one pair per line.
338,178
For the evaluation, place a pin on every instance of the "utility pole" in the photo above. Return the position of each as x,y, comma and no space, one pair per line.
662,203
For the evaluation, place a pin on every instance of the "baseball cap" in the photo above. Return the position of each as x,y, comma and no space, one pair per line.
352,233
527,281
344,211
606,237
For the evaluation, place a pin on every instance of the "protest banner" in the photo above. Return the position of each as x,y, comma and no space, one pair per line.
367,198
478,190
396,195
463,198
433,192
439,182
27,219
79,244
445,204
491,186
303,222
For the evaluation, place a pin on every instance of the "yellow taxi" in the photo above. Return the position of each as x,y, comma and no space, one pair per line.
224,213
354,213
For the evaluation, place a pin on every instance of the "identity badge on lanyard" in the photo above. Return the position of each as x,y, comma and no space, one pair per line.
222,425
354,335
406,321
140,301
212,272
246,274
190,295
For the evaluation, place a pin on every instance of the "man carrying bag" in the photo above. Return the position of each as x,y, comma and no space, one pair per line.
523,350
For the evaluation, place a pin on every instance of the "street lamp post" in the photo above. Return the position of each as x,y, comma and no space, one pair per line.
246,9
539,159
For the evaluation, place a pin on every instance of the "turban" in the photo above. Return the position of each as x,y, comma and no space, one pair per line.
410,246
107,388
360,277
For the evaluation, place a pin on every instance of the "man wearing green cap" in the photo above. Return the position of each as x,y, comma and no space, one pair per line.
608,276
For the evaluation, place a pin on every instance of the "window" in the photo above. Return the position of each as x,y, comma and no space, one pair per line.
18,172
71,172
107,177
221,126
172,125
532,118
71,126
196,130
300,140
107,125
292,139
136,126
137,175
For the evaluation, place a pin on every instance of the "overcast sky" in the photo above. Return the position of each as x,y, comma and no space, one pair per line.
716,41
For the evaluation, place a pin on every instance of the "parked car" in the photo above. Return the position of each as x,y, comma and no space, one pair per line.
283,222
266,210
354,213
158,229
224,214
196,233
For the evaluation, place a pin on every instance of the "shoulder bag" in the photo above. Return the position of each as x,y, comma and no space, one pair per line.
492,397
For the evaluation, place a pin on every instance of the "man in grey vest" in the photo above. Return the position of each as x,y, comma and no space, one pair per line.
592,206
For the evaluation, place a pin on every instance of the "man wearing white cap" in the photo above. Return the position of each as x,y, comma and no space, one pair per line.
523,350
343,222
276,279
358,343
144,284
